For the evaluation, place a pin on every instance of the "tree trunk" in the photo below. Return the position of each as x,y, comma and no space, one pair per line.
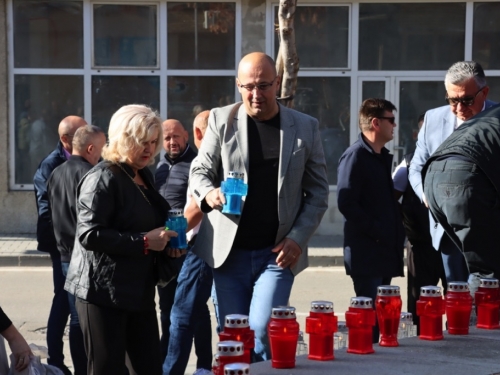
287,61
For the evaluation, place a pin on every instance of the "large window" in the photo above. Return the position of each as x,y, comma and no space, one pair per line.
414,36
486,36
90,58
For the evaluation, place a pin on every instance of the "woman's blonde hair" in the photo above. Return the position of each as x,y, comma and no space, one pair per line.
129,128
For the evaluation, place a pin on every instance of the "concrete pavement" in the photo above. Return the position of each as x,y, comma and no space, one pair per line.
20,250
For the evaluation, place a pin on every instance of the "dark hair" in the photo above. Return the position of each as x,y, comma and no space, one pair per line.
421,117
373,108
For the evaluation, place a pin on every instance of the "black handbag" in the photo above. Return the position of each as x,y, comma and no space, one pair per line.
166,267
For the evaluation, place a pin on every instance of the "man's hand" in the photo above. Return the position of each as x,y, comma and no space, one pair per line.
289,253
215,199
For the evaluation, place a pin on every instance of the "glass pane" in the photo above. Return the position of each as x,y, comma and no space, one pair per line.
125,35
109,93
188,96
486,35
494,83
414,99
411,36
321,36
40,103
328,100
373,89
201,35
48,34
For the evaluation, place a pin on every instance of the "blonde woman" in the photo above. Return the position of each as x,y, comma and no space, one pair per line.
120,232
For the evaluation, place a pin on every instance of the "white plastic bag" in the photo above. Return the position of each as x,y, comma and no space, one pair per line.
35,367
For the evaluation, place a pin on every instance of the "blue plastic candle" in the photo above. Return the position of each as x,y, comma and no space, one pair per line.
178,223
234,188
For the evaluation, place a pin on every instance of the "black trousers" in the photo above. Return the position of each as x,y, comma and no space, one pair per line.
464,201
110,334
425,267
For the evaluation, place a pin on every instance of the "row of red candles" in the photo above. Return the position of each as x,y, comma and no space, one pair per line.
237,339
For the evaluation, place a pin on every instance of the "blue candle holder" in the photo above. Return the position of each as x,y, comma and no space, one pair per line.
234,188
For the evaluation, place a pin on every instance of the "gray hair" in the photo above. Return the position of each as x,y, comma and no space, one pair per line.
463,71
84,136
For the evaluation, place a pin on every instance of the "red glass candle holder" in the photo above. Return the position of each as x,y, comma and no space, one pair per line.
321,324
458,303
228,352
237,328
283,331
360,319
388,306
237,369
488,304
430,309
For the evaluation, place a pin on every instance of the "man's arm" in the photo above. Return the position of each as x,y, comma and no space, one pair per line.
419,159
193,215
315,191
204,168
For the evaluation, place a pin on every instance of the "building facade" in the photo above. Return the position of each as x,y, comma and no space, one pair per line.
88,58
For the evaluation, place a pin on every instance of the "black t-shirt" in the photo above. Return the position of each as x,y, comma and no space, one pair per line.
259,220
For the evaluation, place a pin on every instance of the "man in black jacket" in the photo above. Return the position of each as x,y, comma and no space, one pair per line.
462,186
59,310
171,180
373,229
88,142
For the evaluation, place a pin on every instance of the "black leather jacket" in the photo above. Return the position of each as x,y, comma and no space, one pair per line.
108,266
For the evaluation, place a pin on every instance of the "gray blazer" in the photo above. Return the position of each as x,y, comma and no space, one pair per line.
438,125
302,182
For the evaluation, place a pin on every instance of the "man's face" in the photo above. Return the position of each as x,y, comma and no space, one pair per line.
94,150
469,93
258,84
386,126
175,138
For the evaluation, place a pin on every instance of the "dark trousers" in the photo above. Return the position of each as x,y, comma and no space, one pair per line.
425,267
58,316
110,333
190,317
367,287
466,204
76,346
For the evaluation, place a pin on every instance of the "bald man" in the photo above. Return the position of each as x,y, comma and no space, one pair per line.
59,311
256,255
190,317
171,180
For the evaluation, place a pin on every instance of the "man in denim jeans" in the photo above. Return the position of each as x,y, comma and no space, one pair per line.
256,255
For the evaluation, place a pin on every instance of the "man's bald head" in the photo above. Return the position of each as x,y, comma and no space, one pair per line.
67,128
200,125
175,138
256,59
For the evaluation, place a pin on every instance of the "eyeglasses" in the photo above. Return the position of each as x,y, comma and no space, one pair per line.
260,86
390,119
466,100
69,135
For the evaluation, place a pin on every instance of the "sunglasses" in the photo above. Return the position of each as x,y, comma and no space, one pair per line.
466,101
390,119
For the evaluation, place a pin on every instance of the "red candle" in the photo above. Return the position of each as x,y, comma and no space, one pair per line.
430,308
360,320
237,369
237,328
215,365
229,352
488,303
458,307
321,324
283,331
388,306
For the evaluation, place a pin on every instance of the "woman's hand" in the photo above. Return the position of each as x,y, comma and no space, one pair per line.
175,253
159,237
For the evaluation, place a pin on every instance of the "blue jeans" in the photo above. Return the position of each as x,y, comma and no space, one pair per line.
250,283
455,266
58,316
367,287
76,345
190,317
